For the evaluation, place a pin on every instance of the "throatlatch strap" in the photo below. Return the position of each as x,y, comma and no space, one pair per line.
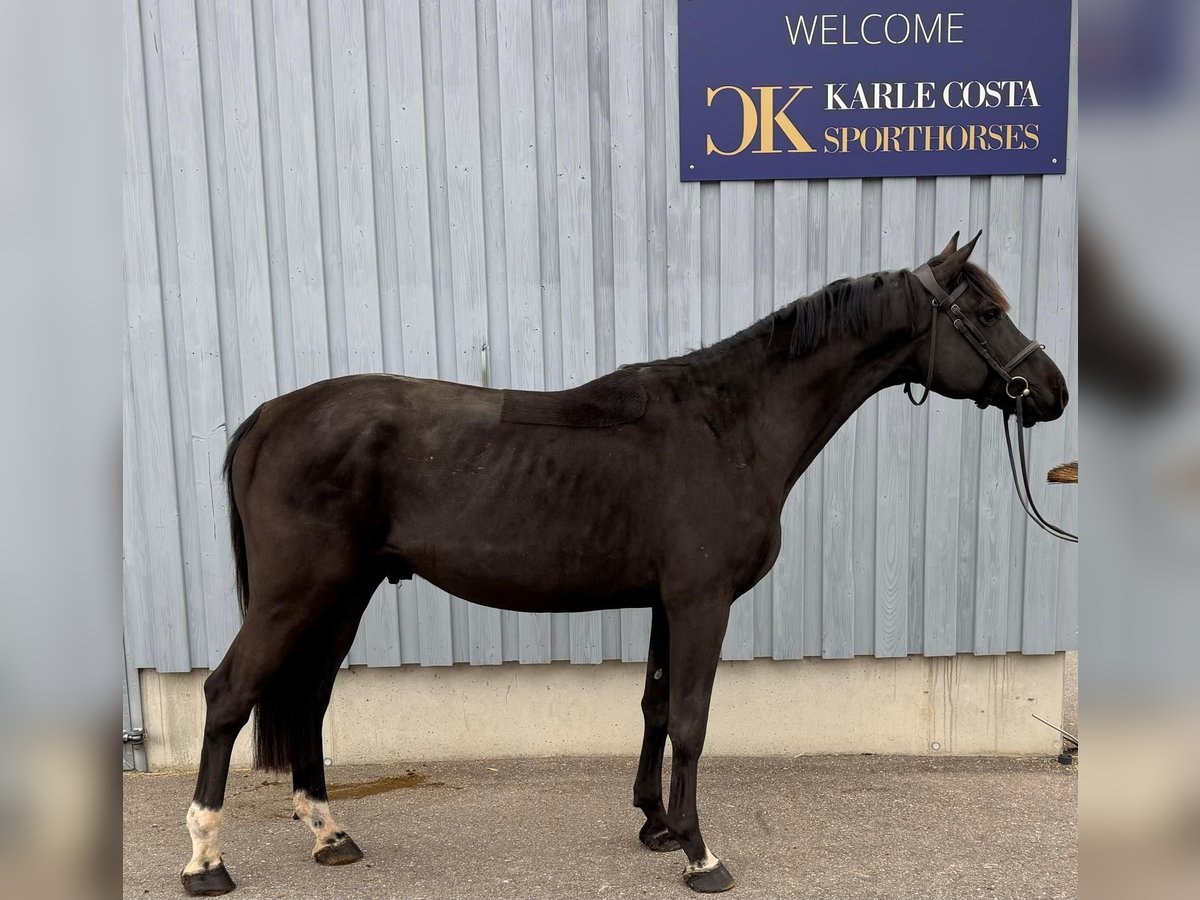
929,368
925,275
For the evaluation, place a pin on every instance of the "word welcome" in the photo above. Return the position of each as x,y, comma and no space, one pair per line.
831,29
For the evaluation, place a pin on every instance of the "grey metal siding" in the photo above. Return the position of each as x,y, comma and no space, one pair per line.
488,192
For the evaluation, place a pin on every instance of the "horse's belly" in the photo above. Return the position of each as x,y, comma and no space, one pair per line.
530,575
518,600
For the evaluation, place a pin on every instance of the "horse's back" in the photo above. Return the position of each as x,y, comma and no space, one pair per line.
616,399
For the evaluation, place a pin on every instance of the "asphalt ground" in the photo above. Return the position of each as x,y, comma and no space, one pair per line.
556,829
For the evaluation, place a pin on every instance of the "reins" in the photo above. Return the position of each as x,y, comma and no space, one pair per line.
947,303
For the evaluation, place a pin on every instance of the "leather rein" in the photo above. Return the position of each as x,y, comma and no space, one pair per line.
1016,386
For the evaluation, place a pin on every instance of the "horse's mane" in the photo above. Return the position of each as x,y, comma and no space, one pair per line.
841,307
848,306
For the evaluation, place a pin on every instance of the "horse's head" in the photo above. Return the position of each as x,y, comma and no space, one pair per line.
977,342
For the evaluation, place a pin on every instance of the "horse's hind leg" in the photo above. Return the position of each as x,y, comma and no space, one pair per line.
656,703
277,620
231,692
332,847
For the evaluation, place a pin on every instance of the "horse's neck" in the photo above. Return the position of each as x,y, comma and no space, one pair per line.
799,403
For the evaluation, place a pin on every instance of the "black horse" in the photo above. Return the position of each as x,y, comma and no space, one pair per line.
659,485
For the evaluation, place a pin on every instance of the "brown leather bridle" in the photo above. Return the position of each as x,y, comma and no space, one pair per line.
1016,386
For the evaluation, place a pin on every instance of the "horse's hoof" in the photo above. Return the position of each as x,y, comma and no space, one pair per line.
711,882
657,839
341,853
209,883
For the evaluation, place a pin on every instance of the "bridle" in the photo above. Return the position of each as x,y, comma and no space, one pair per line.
1016,386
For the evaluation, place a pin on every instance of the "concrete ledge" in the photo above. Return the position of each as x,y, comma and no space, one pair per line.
960,706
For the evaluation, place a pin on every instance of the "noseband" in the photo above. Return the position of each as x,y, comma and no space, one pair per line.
1016,386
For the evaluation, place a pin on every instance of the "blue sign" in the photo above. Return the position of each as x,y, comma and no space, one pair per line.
859,89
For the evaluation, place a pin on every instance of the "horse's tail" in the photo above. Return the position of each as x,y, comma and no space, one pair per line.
236,533
286,717
287,720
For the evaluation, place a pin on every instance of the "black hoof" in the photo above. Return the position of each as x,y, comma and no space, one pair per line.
209,883
344,852
711,882
657,839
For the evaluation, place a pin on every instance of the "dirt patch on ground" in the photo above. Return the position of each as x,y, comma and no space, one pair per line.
359,789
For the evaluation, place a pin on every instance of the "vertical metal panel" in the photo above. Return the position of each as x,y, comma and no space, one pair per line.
970,474
295,171
575,241
1051,567
268,101
242,187
449,190
944,469
605,155
843,251
468,260
155,596
866,433
1025,315
635,623
897,250
394,612
994,546
404,173
814,479
518,154
176,104
736,308
537,633
683,267
630,227
790,258
765,302
498,373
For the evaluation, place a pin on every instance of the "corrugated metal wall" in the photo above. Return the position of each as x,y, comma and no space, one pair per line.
446,189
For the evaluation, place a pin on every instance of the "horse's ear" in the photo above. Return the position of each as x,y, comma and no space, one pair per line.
950,267
952,246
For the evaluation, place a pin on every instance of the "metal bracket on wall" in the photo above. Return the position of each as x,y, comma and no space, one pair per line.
135,736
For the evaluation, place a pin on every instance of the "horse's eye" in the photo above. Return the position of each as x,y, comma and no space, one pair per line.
990,316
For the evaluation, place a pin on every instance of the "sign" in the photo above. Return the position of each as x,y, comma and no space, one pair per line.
859,89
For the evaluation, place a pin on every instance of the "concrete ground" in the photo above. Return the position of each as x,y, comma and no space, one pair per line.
556,829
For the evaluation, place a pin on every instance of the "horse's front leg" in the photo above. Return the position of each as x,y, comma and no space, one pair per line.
697,630
656,703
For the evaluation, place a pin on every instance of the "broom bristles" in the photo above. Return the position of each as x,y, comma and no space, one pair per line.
1067,473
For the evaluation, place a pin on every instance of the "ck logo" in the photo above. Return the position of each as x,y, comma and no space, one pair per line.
762,117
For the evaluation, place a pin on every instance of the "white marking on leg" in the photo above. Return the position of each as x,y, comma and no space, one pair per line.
315,814
707,864
204,825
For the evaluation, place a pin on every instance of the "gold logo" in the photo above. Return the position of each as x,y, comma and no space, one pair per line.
761,117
